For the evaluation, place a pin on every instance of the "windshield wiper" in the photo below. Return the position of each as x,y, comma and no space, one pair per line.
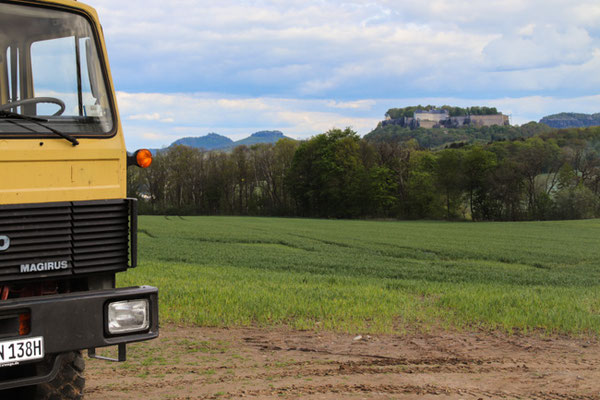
38,121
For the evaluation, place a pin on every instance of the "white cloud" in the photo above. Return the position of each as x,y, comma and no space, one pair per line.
355,105
540,47
348,49
150,117
153,136
527,30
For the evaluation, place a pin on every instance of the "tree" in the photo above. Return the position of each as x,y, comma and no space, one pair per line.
396,158
283,155
576,203
244,179
478,165
155,181
325,175
450,179
422,199
181,163
535,157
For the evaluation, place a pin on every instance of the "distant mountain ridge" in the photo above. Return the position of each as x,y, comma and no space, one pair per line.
214,141
571,120
261,137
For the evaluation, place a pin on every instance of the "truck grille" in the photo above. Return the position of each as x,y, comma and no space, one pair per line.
92,236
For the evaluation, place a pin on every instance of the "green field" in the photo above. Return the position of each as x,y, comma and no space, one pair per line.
370,276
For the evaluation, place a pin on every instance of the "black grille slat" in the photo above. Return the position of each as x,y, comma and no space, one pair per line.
99,228
96,216
101,242
25,213
33,220
92,236
15,248
103,268
83,250
96,262
89,213
80,209
101,235
104,255
31,260
99,222
48,255
104,249
55,236
37,227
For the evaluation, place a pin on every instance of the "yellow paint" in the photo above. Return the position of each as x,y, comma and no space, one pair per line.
49,170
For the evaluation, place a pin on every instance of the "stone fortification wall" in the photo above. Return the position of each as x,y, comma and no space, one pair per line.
428,124
457,122
435,116
489,120
433,120
405,122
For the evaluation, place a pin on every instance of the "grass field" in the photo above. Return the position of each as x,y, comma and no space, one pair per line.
369,276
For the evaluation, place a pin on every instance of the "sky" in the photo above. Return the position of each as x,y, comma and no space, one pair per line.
234,67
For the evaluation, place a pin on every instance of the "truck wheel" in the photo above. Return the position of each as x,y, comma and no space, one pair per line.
69,382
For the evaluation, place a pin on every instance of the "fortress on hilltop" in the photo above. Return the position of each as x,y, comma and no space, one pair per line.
438,118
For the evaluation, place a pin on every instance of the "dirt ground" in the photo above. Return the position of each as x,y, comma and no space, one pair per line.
208,363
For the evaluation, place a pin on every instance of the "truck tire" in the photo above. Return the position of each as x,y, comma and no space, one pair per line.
68,384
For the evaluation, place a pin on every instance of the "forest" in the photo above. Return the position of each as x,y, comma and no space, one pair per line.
439,137
551,175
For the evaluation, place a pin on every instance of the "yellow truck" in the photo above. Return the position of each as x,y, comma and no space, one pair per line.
66,225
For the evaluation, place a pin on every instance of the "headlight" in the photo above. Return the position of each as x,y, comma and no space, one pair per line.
128,316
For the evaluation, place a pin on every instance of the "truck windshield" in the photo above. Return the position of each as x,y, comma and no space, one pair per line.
50,68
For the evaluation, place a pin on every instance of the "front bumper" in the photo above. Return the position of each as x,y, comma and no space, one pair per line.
76,321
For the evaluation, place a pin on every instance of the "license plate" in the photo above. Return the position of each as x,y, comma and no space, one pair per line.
16,351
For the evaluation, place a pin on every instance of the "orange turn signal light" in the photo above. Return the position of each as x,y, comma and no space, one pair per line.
24,324
141,158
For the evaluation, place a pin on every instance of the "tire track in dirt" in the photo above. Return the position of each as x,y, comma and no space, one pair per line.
391,390
210,363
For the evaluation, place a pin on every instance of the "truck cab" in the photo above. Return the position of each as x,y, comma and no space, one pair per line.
66,225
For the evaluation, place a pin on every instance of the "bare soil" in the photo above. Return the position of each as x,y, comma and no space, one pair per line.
209,363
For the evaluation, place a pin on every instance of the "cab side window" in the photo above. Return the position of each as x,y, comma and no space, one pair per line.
54,71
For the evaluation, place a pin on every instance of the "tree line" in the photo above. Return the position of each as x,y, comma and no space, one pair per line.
553,175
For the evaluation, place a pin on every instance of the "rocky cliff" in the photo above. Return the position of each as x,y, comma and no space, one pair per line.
571,120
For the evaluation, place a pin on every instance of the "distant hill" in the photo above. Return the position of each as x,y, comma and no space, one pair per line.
261,137
571,120
212,141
